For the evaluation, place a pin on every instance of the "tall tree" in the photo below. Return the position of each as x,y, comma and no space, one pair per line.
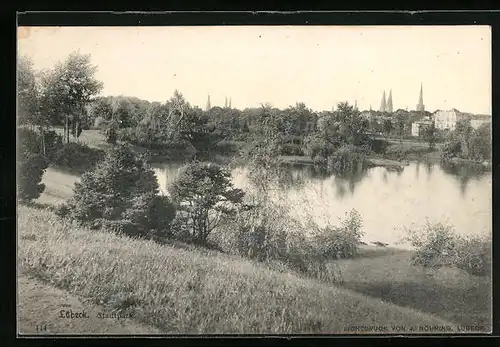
27,96
68,88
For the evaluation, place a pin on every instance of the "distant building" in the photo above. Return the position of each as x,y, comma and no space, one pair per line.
420,105
209,106
389,103
383,106
446,119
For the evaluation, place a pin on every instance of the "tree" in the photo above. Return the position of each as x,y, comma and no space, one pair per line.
203,194
30,111
430,135
122,190
67,89
101,108
387,127
480,143
27,94
400,121
352,127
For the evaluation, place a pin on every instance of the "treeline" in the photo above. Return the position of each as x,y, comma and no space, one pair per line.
465,142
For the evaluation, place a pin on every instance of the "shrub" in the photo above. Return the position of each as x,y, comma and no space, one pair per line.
203,194
317,147
31,165
53,143
378,146
109,128
269,233
396,153
292,149
121,195
150,214
473,254
333,242
77,157
346,158
29,141
437,246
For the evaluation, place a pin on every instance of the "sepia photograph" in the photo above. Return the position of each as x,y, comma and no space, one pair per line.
254,180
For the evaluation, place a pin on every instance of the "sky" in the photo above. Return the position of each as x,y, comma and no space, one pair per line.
318,65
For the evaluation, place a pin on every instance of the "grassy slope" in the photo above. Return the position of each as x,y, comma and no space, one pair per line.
188,291
41,306
452,294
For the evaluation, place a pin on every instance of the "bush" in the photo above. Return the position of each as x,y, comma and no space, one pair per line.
317,148
291,149
346,158
378,146
77,157
150,214
395,153
121,194
31,165
333,242
437,246
53,143
109,128
268,232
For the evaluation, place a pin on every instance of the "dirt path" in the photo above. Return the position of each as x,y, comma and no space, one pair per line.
41,305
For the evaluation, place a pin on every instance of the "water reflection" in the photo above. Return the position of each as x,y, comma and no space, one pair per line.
387,200
463,173
429,168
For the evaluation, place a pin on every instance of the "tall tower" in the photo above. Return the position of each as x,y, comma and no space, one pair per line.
382,104
225,103
420,105
229,102
355,104
208,103
389,102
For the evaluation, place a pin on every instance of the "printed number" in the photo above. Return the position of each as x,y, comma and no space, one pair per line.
41,328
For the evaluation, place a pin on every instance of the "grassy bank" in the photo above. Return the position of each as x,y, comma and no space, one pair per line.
189,291
450,293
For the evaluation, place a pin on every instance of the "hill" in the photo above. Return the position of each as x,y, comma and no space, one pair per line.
192,290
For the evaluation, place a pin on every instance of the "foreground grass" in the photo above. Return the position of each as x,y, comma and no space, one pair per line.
189,291
451,294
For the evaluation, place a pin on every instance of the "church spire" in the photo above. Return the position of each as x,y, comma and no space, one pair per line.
208,103
420,105
382,104
389,102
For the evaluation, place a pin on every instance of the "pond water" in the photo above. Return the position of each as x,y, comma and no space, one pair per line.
388,201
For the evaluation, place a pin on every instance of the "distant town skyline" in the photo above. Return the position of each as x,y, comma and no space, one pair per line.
318,65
